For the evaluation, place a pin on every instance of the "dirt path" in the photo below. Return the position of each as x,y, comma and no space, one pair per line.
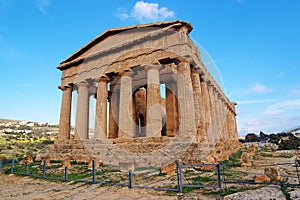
17,187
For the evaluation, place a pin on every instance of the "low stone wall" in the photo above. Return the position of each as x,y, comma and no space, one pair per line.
141,152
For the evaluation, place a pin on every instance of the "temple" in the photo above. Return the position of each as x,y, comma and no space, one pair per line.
155,100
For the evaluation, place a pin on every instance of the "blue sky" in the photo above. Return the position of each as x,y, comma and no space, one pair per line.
254,44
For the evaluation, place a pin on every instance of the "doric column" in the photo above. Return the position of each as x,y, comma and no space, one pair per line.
215,114
223,112
235,130
82,113
206,105
65,113
212,125
126,124
154,110
113,111
101,109
198,99
171,109
226,128
219,114
185,98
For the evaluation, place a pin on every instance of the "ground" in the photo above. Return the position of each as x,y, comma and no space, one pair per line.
20,187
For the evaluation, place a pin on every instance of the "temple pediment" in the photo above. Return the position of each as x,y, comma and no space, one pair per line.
118,38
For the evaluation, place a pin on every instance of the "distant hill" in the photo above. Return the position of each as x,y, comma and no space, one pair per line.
9,120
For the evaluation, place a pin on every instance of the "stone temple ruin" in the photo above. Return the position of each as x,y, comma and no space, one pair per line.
155,101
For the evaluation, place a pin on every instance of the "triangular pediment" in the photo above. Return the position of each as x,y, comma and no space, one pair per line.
117,37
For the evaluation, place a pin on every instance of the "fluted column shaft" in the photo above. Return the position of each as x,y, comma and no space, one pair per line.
65,114
154,108
126,124
171,109
82,113
185,98
113,111
198,98
101,109
235,129
206,105
212,125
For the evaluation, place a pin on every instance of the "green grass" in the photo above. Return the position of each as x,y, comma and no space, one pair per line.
234,158
284,191
147,168
285,155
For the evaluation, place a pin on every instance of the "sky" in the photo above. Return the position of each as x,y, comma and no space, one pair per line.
254,44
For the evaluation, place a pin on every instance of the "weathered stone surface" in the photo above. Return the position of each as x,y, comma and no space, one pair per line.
271,192
97,164
100,131
169,169
251,150
273,173
47,161
124,69
66,163
262,179
246,160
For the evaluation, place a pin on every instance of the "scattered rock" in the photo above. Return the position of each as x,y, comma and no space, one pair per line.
262,179
273,173
169,170
66,163
47,161
295,194
97,164
246,160
270,192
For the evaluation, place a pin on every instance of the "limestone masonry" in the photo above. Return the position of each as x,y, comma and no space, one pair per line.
155,101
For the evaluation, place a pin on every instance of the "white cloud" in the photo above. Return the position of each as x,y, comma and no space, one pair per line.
146,12
260,88
295,91
267,124
42,5
122,14
284,106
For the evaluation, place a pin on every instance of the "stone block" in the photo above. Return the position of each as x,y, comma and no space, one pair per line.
262,179
97,164
273,173
126,166
66,163
47,161
246,160
169,169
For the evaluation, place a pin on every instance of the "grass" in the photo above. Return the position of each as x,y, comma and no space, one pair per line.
284,191
234,158
76,173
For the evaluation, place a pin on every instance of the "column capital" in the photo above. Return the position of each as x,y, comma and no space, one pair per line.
82,84
179,60
233,103
194,70
153,66
210,83
65,87
103,78
203,78
126,72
